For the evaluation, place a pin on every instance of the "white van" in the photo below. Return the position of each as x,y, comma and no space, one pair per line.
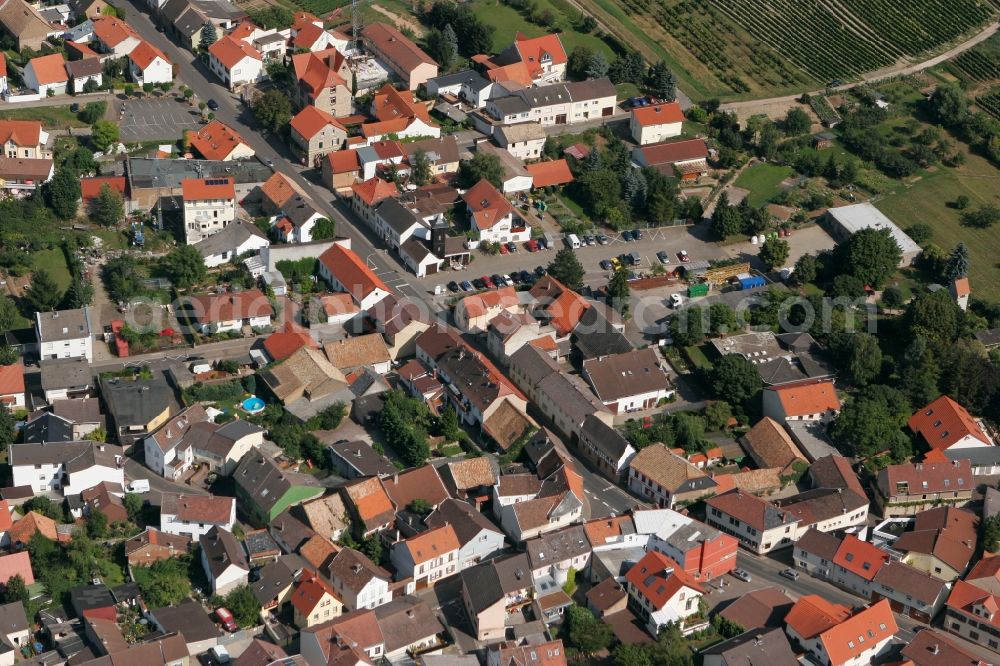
139,486
573,241
219,654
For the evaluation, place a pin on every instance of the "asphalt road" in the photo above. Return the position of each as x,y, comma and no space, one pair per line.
603,497
195,74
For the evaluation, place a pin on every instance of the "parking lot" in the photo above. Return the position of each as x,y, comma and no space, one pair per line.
156,118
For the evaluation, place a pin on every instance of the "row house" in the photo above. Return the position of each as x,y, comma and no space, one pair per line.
317,133
473,314
972,610
909,488
555,104
854,640
68,468
630,381
495,591
605,448
269,42
466,85
222,313
194,515
359,582
941,543
209,206
192,437
662,477
701,550
427,557
758,524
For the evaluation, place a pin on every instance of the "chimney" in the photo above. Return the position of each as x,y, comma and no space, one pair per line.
935,649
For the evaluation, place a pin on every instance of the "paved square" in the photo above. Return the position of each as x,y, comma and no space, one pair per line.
158,118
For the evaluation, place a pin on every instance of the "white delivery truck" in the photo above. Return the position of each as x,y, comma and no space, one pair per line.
573,241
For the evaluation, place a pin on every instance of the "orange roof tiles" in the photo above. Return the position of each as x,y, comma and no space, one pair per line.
516,72
344,161
6,522
82,49
113,31
335,305
307,36
809,397
659,114
381,128
371,502
49,69
278,189
31,524
533,50
282,344
962,287
944,422
486,204
310,592
244,30
320,70
374,190
216,140
659,578
310,121
850,639
90,188
420,483
478,305
601,530
230,52
860,557
17,564
396,46
965,595
144,55
230,307
547,174
389,103
208,189
352,272
812,615
21,132
12,379
3,64
432,544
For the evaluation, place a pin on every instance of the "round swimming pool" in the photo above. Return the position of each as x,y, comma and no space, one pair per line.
253,405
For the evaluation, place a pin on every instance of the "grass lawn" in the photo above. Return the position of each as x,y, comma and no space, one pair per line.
55,263
52,117
927,201
696,356
763,181
508,21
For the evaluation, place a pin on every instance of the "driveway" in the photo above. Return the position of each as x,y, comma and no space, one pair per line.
156,118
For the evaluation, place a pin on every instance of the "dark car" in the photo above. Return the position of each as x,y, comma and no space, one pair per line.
512,247
213,105
602,239
515,277
540,271
478,283
466,285
498,280
74,107
606,265
637,234
663,257
527,278
627,236
453,286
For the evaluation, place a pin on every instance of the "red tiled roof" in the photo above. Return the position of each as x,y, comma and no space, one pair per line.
230,52
420,483
12,379
17,564
547,174
964,596
310,121
516,72
244,30
812,615
860,557
390,104
352,272
216,140
344,161
944,422
232,306
486,204
282,344
205,189
309,592
113,31
319,70
659,578
658,114
5,518
144,55
675,151
3,63
809,397
396,46
49,69
82,49
278,189
962,287
90,188
31,524
875,624
374,190
432,544
533,49
21,132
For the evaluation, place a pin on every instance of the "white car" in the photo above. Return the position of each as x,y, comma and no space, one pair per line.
507,280
676,300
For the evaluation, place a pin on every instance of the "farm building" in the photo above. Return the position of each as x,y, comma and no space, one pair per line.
845,221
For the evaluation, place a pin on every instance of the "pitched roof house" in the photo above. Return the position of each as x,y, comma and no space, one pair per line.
661,592
265,490
662,476
945,424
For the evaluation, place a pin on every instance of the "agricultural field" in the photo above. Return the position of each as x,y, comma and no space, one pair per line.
990,102
507,22
754,48
928,200
979,64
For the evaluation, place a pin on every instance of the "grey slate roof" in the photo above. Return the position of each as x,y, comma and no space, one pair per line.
231,237
65,373
188,618
168,174
511,105
607,438
48,427
595,336
362,457
466,521
397,216
298,210
262,479
558,546
74,455
136,402
756,647
221,549
488,583
62,325
461,77
405,621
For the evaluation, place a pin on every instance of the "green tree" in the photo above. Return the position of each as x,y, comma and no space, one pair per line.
324,229
983,217
566,268
734,378
689,430
92,112
103,133
630,655
870,423
872,256
43,294
185,266
420,169
79,295
209,36
97,524
133,504
448,424
660,81
447,49
273,110
864,358
959,263
722,319
989,534
14,590
690,326
8,355
107,208
934,315
892,297
618,292
726,219
91,86
597,66
122,278
165,582
806,268
797,122
63,193
576,67
8,426
586,633
8,313
331,417
244,606
482,166
774,252
922,232
717,414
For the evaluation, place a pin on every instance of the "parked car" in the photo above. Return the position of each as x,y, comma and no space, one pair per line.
637,234
606,265
527,277
507,280
516,277
74,108
590,240
226,619
487,282
663,257
683,256
497,280
213,105
512,247
542,244
676,300
466,286
540,271
790,574
531,245
602,239
478,283
627,236
453,286
742,574
503,249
